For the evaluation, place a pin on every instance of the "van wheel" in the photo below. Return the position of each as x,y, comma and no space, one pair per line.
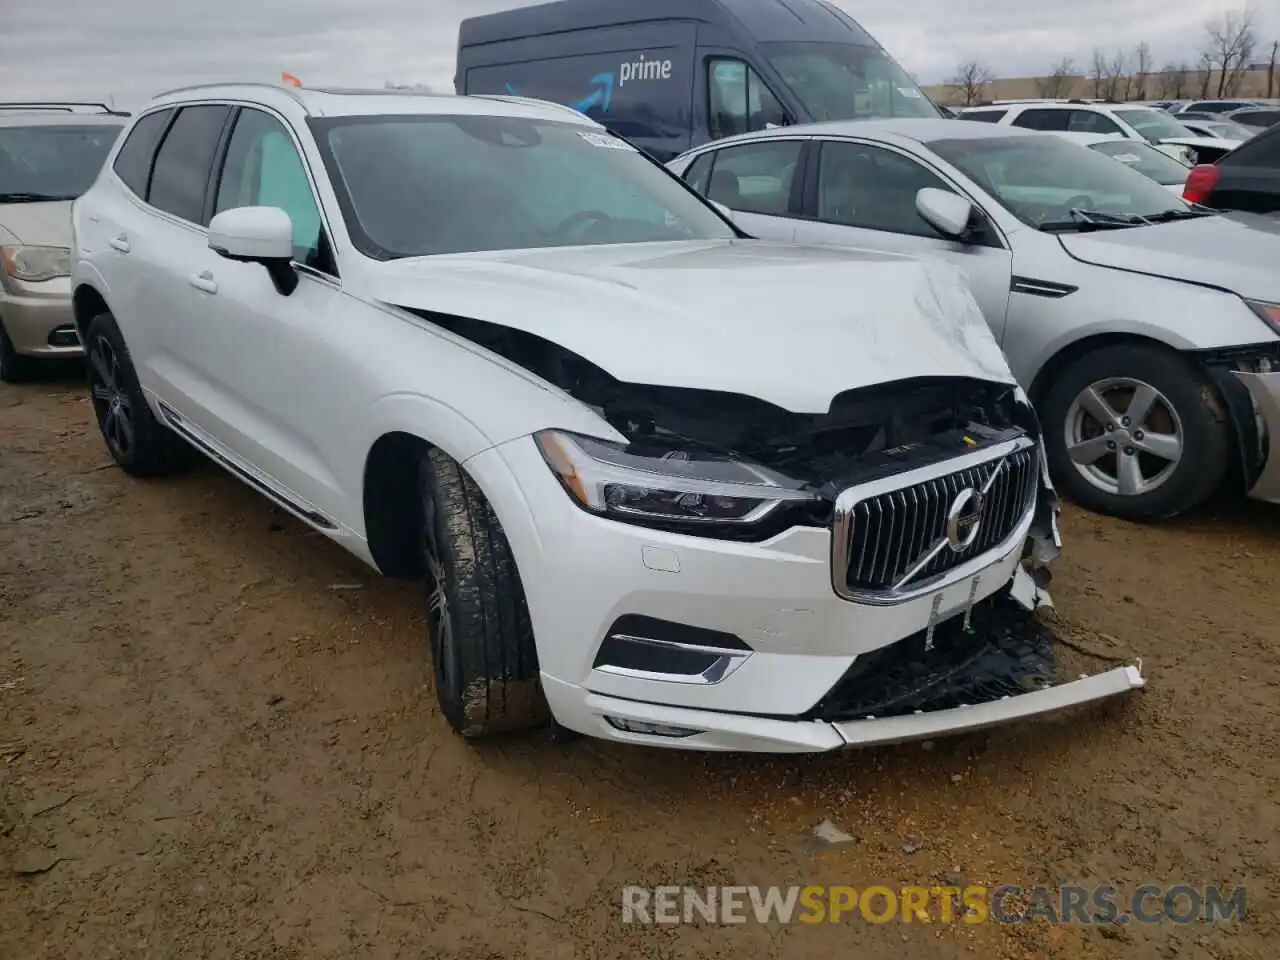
139,443
482,649
1137,432
14,367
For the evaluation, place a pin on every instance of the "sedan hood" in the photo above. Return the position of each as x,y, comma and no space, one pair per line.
1228,253
790,325
38,224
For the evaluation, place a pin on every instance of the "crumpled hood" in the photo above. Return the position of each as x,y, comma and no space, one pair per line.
1230,253
794,326
38,224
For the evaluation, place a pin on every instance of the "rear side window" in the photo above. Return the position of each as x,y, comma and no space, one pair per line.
133,162
1262,150
180,178
983,116
1043,119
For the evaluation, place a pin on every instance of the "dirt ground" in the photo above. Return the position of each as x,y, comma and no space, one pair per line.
218,739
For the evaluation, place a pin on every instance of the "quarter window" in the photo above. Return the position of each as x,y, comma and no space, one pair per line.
1042,119
1088,121
873,188
756,178
983,116
133,162
699,171
263,169
739,101
180,179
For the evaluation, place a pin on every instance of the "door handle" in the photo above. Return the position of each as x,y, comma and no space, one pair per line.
120,243
204,281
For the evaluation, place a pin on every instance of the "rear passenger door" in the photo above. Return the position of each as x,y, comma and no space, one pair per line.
759,182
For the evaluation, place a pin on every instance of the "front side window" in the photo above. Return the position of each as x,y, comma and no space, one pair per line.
739,101
756,177
1153,125
414,186
180,177
873,188
1047,180
847,81
263,169
52,162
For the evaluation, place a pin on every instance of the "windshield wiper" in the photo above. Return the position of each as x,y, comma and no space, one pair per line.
1176,214
1086,220
32,197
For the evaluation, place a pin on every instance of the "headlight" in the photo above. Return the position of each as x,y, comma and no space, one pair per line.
1268,312
675,488
34,264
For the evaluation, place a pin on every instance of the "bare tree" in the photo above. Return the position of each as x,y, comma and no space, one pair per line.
1271,67
1098,72
970,81
1205,66
1117,80
1141,69
1175,80
1060,82
1231,39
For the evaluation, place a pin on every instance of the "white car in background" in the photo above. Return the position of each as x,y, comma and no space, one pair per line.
1131,120
1165,170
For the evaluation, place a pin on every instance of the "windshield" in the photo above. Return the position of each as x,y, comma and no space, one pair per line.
1228,129
1153,124
841,81
419,185
1148,161
52,162
1042,179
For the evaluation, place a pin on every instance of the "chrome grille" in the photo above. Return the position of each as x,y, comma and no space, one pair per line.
884,534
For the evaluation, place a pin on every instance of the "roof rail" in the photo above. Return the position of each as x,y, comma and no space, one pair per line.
60,106
291,92
530,101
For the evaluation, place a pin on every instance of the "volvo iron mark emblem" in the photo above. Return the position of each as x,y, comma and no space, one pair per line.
964,519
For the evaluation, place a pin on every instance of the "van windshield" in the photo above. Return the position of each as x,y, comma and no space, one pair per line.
842,81
412,186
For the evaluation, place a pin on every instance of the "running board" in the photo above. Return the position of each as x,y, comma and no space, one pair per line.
178,425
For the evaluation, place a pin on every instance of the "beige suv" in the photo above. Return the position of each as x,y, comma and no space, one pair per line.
50,153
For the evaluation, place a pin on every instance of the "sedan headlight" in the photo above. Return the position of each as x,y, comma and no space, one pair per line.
677,488
34,264
1269,313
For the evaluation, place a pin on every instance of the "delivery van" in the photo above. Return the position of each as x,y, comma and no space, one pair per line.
672,74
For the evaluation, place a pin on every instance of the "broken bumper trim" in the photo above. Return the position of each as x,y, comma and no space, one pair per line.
1264,389
586,712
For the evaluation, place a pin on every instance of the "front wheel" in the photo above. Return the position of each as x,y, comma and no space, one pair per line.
482,649
1136,432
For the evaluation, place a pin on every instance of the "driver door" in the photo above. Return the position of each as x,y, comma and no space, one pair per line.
864,195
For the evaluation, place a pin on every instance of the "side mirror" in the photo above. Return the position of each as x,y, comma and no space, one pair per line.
724,211
946,212
257,235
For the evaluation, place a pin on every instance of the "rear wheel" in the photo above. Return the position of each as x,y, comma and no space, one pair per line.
1136,431
482,649
139,443
14,367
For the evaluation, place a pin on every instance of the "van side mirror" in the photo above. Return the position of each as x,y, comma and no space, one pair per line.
257,235
946,212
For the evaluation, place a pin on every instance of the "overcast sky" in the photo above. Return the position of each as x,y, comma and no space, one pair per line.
134,48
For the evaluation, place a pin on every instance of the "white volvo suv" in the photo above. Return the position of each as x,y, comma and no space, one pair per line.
666,484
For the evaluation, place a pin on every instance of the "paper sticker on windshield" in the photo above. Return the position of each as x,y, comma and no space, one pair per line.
1127,157
909,92
605,140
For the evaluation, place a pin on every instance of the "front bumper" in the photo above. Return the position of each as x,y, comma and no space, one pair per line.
1264,390
797,639
39,319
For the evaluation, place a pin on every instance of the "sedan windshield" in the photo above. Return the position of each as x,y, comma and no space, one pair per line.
1148,161
1048,182
52,162
414,186
1155,125
1228,129
843,81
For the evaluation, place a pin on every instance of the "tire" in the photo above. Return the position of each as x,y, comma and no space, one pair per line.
483,655
1186,407
14,367
139,443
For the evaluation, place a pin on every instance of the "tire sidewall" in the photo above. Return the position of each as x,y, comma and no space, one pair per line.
1200,409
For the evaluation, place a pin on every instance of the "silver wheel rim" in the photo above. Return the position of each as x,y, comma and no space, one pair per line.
1124,436
110,402
439,615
